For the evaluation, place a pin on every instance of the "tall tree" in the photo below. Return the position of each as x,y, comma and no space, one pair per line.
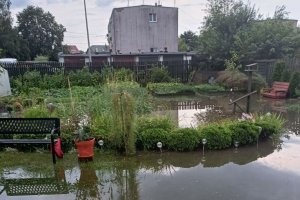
272,38
43,33
225,18
190,39
11,43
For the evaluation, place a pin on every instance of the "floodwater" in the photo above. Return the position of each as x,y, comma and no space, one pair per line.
268,170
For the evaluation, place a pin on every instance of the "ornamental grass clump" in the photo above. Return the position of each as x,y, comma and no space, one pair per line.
271,124
123,115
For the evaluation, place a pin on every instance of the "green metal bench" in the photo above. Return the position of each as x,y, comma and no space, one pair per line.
36,126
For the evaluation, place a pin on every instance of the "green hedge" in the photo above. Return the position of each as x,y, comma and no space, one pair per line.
183,139
218,136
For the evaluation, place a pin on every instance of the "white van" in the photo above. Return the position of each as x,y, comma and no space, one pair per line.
8,60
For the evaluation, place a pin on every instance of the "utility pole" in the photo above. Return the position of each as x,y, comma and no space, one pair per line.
88,35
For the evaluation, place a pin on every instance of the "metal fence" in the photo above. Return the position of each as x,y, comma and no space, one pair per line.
179,70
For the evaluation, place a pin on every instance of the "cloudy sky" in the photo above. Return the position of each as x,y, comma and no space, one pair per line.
70,13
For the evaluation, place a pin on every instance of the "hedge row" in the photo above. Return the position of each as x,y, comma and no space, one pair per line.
218,135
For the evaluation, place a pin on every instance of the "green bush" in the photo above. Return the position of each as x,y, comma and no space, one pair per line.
36,112
81,77
245,132
286,76
54,81
159,75
183,139
271,124
102,129
209,88
279,68
170,88
218,136
294,84
149,131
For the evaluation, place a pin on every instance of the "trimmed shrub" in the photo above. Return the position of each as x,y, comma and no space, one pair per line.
209,88
149,131
218,136
245,132
183,139
170,88
148,138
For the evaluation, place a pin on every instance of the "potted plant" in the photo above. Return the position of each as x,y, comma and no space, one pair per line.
84,143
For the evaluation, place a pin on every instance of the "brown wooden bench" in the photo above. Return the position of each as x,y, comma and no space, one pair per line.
279,90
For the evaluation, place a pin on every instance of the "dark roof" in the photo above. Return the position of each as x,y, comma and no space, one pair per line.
98,49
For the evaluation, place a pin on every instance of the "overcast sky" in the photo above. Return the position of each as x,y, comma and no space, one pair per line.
70,13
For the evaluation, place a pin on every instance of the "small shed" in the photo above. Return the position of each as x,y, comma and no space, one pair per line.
5,89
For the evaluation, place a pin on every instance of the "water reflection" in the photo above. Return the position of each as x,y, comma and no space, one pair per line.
144,176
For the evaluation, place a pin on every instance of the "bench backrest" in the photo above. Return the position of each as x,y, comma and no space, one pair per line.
280,86
29,125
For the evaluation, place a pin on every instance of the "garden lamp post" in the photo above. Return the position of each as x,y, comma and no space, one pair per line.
236,144
159,145
250,69
204,141
101,143
259,132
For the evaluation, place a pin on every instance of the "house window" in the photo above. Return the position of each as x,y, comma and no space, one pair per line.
153,50
152,17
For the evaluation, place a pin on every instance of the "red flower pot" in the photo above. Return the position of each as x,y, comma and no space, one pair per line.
85,149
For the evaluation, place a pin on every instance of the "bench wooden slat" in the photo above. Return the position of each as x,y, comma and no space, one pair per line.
25,141
29,125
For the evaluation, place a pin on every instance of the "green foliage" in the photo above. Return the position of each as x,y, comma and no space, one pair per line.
236,79
245,132
286,76
36,112
170,88
223,21
183,139
151,130
268,39
102,126
231,65
81,77
270,123
294,84
182,46
32,79
190,39
41,58
11,44
38,28
82,134
279,68
294,107
123,113
53,81
218,136
209,88
159,75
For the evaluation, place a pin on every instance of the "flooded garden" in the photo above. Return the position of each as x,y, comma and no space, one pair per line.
267,169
